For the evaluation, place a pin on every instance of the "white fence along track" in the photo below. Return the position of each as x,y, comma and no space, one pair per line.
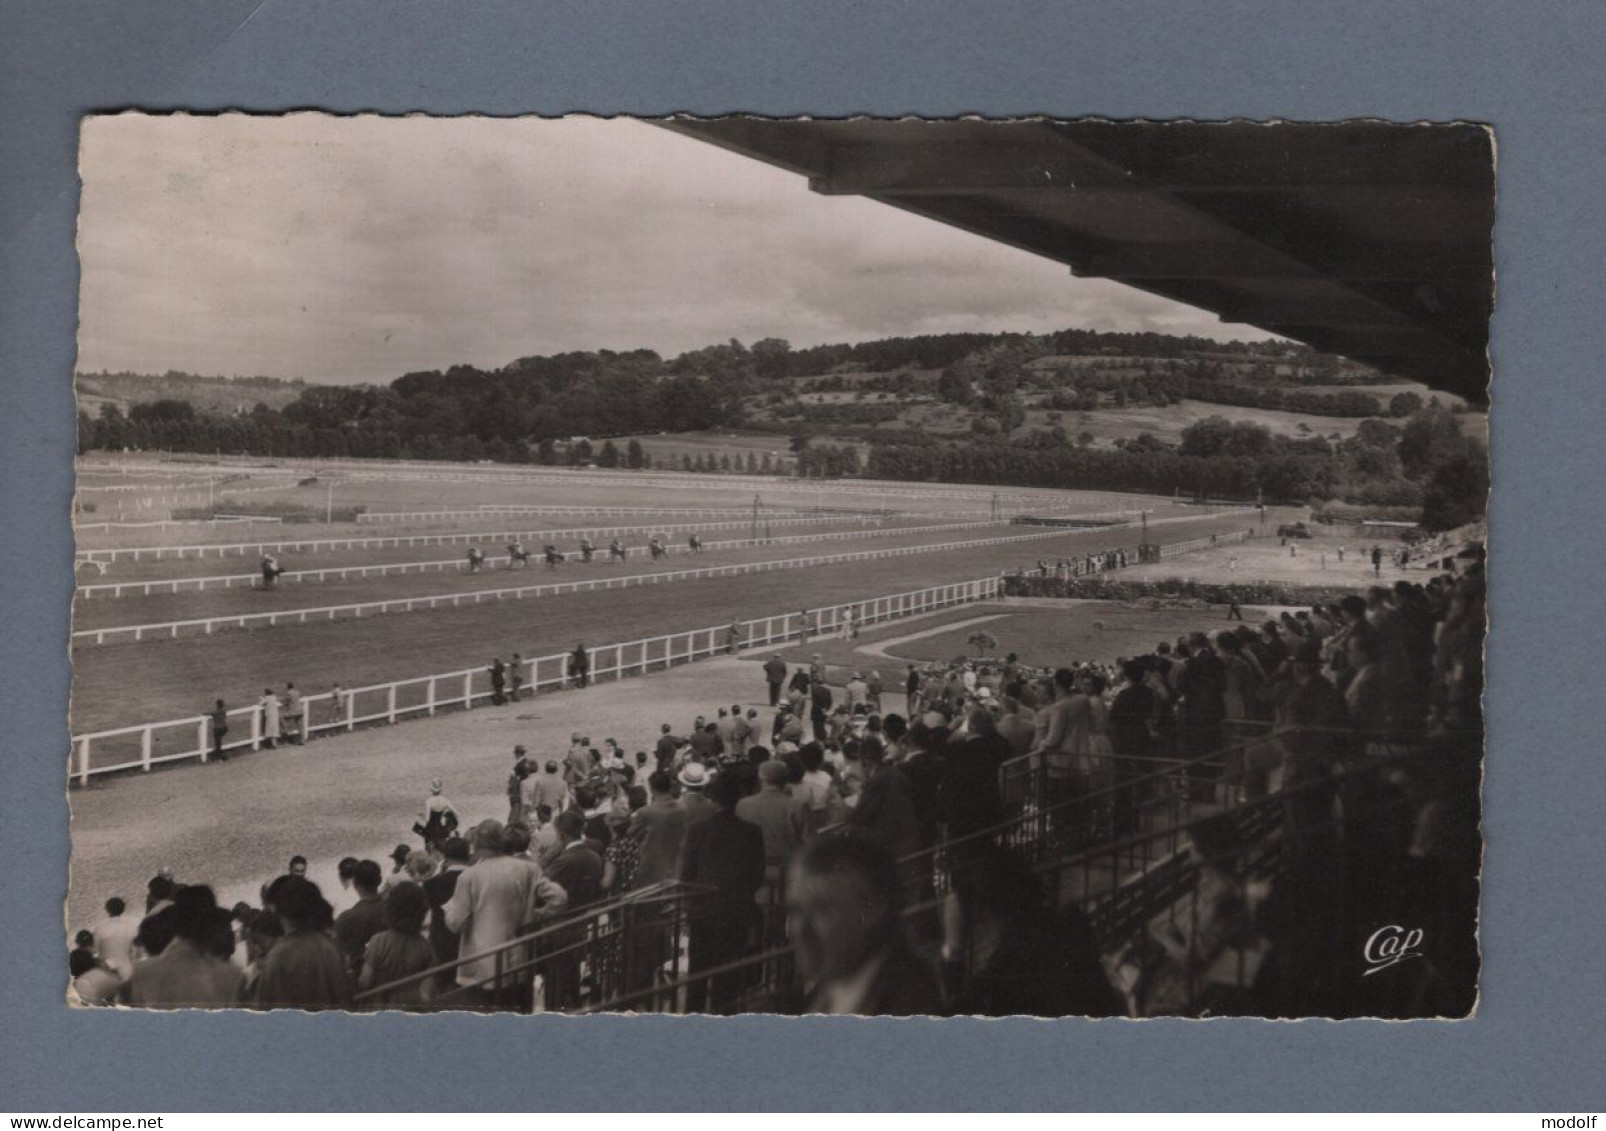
145,746
207,625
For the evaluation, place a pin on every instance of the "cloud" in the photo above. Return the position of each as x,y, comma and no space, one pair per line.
358,249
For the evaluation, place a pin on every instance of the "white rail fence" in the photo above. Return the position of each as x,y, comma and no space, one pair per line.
316,545
122,488
164,523
578,512
1171,550
496,561
148,745
179,492
391,471
207,625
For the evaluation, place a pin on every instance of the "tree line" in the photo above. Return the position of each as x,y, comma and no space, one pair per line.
1428,464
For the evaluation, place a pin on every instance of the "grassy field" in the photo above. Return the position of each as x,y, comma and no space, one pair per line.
216,394
1042,636
667,448
123,684
781,497
1165,422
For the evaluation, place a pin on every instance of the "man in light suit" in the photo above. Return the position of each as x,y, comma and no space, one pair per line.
493,903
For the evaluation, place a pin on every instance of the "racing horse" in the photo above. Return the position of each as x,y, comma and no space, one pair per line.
517,555
657,548
616,550
553,556
695,544
588,549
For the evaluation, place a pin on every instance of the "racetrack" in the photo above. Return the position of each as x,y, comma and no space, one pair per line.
125,684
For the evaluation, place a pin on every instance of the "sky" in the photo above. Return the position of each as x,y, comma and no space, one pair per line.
359,249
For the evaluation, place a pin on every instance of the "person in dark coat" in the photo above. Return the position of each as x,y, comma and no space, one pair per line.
220,727
774,677
577,869
886,809
924,767
361,922
438,890
1203,690
725,853
1134,725
845,903
799,681
306,968
1314,724
580,665
970,800
498,672
820,700
1019,957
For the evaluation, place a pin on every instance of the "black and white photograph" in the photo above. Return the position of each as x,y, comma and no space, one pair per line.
915,567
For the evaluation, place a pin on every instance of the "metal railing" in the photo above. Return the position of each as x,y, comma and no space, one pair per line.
1059,816
760,982
1157,895
207,625
1134,885
461,565
145,746
601,951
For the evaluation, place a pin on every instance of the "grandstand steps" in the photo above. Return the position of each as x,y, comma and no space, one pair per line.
1077,880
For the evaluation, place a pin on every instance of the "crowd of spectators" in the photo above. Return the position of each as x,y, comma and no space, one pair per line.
795,822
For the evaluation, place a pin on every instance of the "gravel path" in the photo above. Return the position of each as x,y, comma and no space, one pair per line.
236,824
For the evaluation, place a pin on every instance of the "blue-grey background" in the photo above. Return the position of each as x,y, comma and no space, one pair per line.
1533,71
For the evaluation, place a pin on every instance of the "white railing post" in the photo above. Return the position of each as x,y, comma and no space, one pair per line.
256,728
429,697
390,704
201,740
144,749
468,689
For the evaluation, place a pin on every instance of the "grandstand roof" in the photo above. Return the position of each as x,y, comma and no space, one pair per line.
1370,240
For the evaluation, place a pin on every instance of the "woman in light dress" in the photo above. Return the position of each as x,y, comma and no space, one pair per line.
270,718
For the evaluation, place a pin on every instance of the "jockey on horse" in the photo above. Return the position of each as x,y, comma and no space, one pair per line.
271,569
517,555
553,556
588,549
616,549
475,559
695,544
656,546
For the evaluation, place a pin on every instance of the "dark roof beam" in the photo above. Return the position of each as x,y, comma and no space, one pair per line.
964,168
1251,259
